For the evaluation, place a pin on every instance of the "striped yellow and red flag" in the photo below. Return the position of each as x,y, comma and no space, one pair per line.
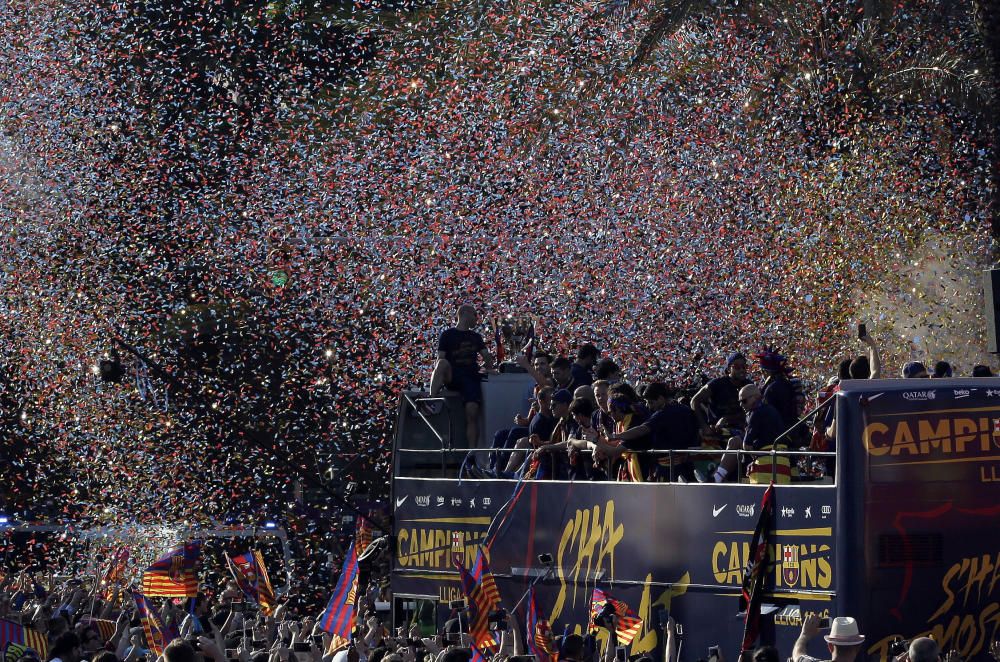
337,643
481,590
629,624
105,628
364,535
174,575
157,635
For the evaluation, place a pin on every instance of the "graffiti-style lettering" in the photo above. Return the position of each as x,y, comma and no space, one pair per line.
589,538
967,583
648,638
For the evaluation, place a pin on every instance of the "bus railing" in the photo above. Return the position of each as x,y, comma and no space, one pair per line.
415,403
774,453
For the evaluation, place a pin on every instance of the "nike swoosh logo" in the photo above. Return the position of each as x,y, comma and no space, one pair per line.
399,502
715,511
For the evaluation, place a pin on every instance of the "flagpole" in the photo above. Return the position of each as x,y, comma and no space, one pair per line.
537,579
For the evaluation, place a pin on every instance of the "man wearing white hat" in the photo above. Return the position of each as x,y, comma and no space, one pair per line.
844,640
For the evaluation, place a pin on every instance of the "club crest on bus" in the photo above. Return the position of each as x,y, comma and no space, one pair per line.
790,564
458,548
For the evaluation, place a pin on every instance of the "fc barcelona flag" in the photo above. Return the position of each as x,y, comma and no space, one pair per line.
157,636
629,622
538,633
116,570
251,576
338,619
758,570
12,633
174,574
480,588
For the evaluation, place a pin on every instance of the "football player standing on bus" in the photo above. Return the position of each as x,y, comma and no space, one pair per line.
719,397
457,367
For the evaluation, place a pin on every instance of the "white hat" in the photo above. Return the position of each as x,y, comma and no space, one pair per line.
844,632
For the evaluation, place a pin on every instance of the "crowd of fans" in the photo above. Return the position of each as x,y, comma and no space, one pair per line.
82,624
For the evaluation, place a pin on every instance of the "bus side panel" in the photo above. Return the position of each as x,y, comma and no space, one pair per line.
931,534
681,546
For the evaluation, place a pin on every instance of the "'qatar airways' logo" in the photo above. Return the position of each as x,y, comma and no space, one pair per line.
919,395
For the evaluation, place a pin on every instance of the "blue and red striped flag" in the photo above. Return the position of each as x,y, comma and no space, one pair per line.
157,635
338,619
538,633
251,577
20,635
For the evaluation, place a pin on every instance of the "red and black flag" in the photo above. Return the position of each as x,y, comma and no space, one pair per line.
629,623
174,575
758,571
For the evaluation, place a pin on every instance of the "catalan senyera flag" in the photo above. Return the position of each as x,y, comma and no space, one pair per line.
157,636
12,633
105,628
338,618
758,572
538,633
251,576
337,643
480,588
629,622
481,573
114,572
174,575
